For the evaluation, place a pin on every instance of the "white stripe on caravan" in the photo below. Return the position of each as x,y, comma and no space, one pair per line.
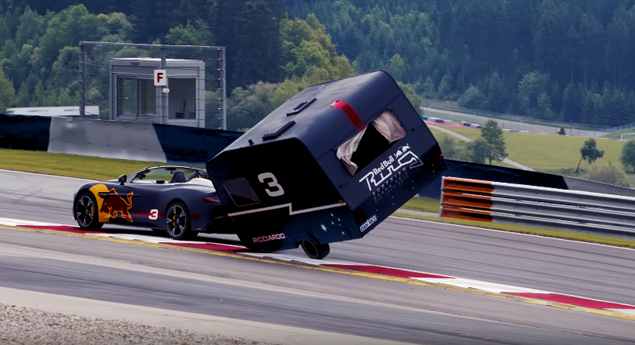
289,205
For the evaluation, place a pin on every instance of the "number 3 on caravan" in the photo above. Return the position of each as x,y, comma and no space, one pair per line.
273,183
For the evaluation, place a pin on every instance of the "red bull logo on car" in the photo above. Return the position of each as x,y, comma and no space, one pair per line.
110,204
115,204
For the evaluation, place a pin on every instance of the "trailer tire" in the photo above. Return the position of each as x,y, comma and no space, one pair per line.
314,250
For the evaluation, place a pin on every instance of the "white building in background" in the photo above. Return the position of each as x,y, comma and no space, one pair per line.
52,111
135,96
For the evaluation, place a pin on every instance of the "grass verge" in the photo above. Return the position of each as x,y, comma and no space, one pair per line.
439,135
598,239
549,151
422,205
68,165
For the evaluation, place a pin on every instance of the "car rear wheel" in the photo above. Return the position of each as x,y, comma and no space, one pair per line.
86,212
178,224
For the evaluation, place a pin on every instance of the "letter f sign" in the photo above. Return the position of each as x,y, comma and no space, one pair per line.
160,78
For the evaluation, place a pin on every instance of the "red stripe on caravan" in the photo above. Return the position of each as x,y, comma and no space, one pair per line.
350,113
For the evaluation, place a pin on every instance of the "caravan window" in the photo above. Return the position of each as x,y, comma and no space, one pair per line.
241,192
370,143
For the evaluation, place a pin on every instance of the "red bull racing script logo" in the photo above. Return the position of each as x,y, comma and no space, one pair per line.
395,162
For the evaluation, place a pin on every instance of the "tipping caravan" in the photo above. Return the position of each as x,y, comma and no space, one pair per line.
328,165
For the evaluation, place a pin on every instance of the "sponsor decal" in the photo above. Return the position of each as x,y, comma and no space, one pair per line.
368,223
269,238
395,162
115,204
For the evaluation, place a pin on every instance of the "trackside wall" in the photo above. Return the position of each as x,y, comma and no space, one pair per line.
106,139
113,139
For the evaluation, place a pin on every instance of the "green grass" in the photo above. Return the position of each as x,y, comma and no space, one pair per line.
422,205
610,241
549,152
441,135
68,165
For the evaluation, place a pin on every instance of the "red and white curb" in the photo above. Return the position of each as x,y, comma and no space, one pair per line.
346,265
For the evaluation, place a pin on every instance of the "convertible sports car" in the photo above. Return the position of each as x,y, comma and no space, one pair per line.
179,200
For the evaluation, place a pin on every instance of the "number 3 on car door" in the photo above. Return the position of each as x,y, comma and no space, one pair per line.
273,183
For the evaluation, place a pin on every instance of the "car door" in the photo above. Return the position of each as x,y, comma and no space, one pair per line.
147,208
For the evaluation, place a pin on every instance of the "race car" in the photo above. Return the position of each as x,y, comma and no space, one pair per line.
179,200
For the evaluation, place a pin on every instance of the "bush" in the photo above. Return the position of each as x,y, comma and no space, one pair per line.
457,150
607,173
480,150
472,98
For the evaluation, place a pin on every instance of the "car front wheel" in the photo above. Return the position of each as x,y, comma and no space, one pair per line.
86,212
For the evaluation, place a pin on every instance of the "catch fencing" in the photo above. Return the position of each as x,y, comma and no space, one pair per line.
119,78
576,129
526,205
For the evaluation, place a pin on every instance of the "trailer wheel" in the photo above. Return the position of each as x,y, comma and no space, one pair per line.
314,250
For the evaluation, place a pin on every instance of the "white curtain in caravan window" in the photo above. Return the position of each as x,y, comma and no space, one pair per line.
346,150
388,125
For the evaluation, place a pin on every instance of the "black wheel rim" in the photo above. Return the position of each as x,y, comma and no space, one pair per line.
85,211
176,221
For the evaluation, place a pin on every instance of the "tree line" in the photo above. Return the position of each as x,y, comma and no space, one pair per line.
566,60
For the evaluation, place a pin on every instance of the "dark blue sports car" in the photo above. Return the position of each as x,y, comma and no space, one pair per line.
177,199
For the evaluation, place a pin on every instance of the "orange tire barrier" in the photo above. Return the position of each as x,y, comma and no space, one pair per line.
470,201
479,216
467,185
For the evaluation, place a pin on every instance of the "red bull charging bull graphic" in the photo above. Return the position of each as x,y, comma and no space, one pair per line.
111,204
115,204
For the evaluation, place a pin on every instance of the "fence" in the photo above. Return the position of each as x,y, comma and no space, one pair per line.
119,78
577,129
526,205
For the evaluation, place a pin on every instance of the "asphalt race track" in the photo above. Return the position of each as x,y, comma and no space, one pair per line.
285,295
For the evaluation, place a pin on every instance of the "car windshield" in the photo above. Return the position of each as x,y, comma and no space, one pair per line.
167,175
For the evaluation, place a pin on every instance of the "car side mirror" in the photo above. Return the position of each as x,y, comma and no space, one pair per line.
122,179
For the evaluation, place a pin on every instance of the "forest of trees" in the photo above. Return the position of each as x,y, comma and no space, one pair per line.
564,60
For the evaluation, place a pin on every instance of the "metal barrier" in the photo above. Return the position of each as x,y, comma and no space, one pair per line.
526,205
106,139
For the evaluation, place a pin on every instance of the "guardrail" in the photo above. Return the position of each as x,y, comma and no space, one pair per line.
533,206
